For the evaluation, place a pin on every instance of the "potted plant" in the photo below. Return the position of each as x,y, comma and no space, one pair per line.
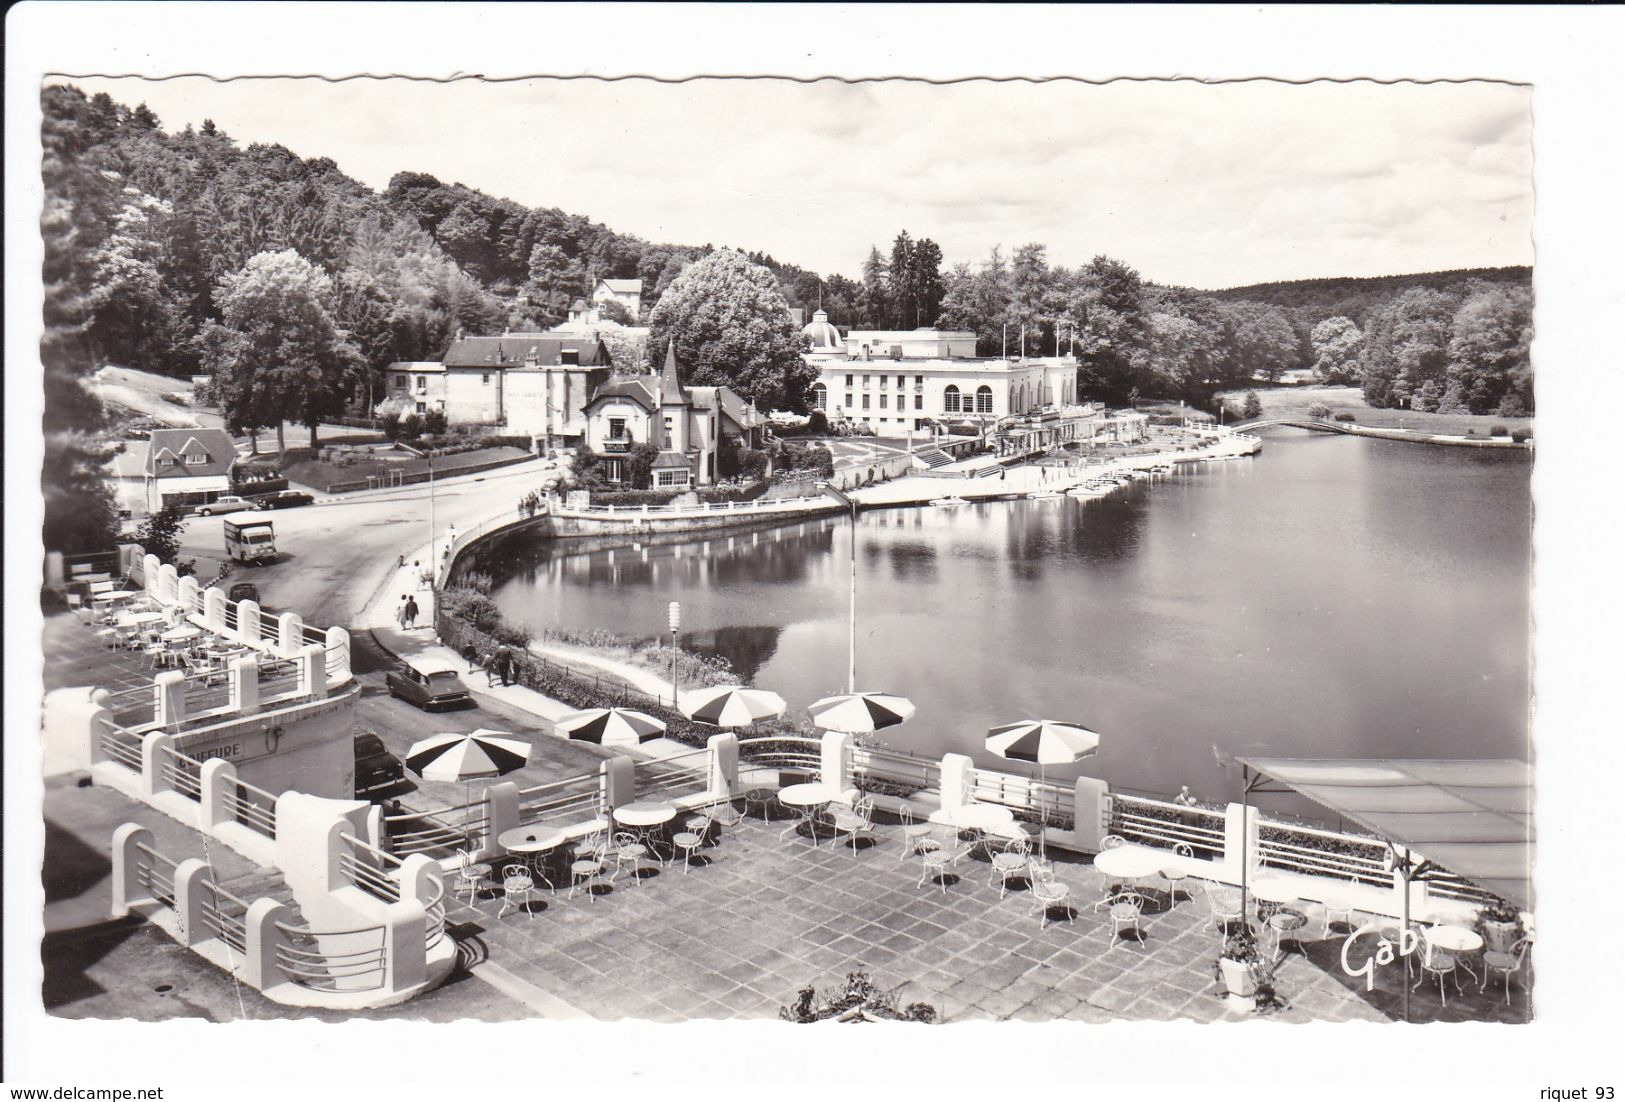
1249,983
858,1000
1499,924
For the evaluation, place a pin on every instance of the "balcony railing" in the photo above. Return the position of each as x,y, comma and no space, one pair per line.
617,446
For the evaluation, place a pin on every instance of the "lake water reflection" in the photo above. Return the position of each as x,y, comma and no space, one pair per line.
1333,596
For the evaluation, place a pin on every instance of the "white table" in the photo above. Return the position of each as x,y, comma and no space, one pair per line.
112,596
806,799
532,841
644,817
138,619
1130,862
988,818
181,634
1457,939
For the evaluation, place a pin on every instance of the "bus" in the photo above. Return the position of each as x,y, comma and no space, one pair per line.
250,539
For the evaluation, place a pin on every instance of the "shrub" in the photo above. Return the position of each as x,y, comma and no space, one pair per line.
1498,430
514,635
1319,411
390,423
1251,406
1345,417
817,423
434,422
1521,435
161,533
411,426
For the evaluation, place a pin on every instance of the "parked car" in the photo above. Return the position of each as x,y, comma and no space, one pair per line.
429,688
227,503
377,771
244,591
285,499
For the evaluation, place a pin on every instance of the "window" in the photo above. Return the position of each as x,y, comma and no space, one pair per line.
423,407
950,399
820,396
570,357
865,401
919,401
400,382
849,380
668,431
675,477
617,428
984,399
422,382
167,461
849,401
900,382
883,401
919,382
866,379
196,459
485,377
612,470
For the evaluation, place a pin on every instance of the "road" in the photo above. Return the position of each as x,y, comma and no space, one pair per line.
333,555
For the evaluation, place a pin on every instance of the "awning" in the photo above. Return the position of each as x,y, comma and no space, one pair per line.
1474,818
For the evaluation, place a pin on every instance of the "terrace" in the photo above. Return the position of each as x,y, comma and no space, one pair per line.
757,917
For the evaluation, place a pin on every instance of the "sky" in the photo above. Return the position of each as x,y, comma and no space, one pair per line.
1202,185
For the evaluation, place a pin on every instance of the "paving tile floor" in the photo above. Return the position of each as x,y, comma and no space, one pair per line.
756,918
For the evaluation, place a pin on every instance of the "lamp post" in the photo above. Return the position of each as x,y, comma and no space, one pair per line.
432,563
852,626
674,617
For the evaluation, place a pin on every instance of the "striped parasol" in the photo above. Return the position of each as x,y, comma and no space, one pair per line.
478,755
611,726
860,713
731,705
1044,742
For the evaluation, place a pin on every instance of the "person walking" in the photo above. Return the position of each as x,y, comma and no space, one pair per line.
504,664
400,613
411,612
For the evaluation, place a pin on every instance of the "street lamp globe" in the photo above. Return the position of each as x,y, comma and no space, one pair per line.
674,615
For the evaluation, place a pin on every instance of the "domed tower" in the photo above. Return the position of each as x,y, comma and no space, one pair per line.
825,338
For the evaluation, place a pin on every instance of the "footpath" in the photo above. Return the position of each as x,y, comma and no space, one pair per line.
421,647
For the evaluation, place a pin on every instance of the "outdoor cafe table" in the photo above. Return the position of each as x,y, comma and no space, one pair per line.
1276,891
138,619
181,634
532,841
645,816
990,820
1456,939
111,596
1130,862
806,799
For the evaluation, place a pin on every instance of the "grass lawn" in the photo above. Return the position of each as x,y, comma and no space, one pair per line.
300,467
1295,402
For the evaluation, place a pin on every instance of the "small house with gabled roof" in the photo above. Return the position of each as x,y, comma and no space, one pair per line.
188,466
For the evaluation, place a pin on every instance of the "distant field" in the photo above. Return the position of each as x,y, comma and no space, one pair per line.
1295,402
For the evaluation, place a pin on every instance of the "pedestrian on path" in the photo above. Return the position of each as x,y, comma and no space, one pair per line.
411,612
504,663
400,612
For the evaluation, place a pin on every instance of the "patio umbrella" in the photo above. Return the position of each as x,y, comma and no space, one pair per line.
611,726
730,705
1045,742
478,755
860,713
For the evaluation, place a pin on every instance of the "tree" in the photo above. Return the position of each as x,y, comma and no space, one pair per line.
877,308
731,327
925,281
615,313
628,351
1106,310
1265,342
161,534
284,353
905,306
640,462
1335,345
1490,335
1251,406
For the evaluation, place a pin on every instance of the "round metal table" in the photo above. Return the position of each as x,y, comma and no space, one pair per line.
806,799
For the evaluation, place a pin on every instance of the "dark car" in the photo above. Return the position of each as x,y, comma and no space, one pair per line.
244,591
429,689
377,771
285,499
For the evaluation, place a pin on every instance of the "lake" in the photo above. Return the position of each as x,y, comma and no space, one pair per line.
1332,596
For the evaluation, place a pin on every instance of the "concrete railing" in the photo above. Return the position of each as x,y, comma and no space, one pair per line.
264,944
